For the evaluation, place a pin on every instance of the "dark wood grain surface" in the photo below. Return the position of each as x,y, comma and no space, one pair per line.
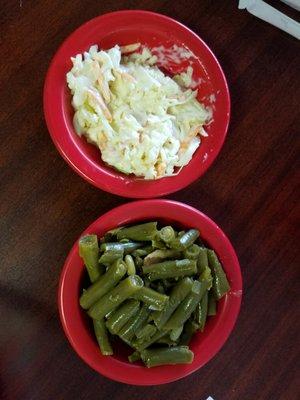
250,191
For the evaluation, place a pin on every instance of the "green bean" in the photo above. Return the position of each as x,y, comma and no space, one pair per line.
164,356
110,256
186,240
167,234
143,232
166,340
124,240
167,306
146,332
159,255
143,251
157,243
178,294
143,344
138,261
102,337
130,265
220,282
103,285
133,325
89,252
202,260
135,356
127,247
147,283
186,307
121,316
170,269
212,305
190,327
175,333
111,235
111,300
155,300
207,278
192,252
201,311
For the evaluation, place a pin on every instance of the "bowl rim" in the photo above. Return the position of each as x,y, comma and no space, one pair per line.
107,178
134,372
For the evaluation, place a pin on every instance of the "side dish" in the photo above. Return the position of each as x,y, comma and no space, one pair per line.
151,287
144,122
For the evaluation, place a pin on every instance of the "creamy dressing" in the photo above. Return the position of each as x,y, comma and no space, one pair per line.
144,122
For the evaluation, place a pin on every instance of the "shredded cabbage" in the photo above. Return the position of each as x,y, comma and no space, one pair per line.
143,122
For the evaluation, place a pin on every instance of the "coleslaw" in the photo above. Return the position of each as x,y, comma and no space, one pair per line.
143,121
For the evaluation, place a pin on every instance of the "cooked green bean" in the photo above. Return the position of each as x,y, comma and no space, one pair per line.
146,332
207,278
124,240
130,265
135,356
157,243
170,269
173,355
192,252
175,333
186,307
133,325
220,282
155,300
103,285
190,327
159,255
166,340
143,232
127,247
102,337
167,234
178,294
159,288
111,300
212,305
143,344
186,240
89,252
110,256
121,316
138,261
143,251
147,282
202,260
202,311
111,235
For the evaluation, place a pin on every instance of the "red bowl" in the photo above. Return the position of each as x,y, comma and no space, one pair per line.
124,27
204,345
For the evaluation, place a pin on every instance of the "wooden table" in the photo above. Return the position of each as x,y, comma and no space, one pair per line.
250,191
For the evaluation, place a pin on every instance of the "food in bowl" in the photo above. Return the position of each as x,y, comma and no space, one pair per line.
153,288
144,122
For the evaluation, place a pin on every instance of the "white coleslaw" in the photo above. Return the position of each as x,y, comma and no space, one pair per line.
143,121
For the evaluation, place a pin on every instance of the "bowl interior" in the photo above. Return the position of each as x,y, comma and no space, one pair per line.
204,345
144,35
153,30
121,350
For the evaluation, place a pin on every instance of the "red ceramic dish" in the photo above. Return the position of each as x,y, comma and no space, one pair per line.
204,345
124,27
